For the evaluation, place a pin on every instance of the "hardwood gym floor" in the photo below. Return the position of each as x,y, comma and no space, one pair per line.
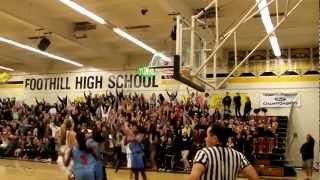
26,170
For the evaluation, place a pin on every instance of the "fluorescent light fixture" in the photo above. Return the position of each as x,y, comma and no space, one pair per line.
140,43
266,20
134,40
83,11
6,68
275,45
29,48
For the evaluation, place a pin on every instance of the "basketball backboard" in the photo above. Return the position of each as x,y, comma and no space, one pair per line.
191,48
170,66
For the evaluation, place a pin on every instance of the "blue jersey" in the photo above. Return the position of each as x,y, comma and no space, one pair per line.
82,160
95,146
99,166
135,155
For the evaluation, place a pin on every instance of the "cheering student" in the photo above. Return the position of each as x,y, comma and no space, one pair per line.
172,96
217,161
63,101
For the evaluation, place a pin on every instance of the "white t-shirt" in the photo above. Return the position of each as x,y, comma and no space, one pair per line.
54,129
53,111
211,111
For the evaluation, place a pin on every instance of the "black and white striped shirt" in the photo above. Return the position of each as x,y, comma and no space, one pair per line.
221,163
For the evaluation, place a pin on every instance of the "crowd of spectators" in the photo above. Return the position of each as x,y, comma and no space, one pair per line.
173,130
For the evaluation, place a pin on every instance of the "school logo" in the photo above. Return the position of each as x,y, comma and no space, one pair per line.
280,98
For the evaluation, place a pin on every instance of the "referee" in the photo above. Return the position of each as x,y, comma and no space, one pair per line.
218,162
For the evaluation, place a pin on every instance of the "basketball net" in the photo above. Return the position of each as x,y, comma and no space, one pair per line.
164,66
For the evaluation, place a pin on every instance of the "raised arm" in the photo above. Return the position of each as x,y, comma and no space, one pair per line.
168,93
87,96
36,100
176,94
188,91
61,100
117,93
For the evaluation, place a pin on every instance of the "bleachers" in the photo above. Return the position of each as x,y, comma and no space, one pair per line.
261,138
275,164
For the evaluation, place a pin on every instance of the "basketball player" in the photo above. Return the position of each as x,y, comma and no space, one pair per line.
84,159
67,141
135,152
94,143
67,135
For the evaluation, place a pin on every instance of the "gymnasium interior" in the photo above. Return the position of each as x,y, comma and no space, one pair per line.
167,65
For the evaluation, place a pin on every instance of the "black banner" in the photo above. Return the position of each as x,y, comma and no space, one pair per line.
90,82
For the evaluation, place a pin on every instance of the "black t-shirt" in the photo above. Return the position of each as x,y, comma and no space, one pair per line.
185,143
170,149
307,150
247,106
41,131
237,100
226,100
7,115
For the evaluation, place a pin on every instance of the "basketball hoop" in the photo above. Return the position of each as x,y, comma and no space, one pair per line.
161,60
166,71
163,63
